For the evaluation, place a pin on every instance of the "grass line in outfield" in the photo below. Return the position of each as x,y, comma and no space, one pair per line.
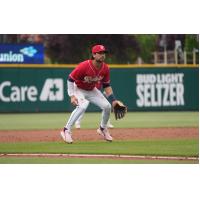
179,147
91,120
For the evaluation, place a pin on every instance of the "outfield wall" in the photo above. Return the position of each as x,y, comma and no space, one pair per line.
42,88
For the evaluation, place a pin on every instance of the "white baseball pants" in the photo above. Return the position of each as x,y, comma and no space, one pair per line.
84,97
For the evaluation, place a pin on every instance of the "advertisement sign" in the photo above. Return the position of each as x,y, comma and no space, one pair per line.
52,90
141,89
160,90
157,89
21,53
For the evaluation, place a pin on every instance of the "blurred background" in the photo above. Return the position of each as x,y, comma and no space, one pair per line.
123,48
149,72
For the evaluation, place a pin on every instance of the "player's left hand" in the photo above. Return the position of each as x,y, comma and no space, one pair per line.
119,109
74,100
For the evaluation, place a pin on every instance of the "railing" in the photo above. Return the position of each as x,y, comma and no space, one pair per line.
176,57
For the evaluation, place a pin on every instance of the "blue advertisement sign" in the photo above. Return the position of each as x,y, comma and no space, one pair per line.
21,53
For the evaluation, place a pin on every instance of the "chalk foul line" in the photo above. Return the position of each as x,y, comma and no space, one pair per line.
99,156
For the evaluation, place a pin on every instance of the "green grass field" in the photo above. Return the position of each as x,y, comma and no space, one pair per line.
91,120
179,147
151,147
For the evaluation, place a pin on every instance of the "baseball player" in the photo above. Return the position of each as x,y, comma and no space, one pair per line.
85,76
78,121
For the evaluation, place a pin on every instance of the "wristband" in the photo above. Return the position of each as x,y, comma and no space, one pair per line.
111,98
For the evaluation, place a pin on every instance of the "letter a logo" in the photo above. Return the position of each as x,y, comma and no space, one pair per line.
52,90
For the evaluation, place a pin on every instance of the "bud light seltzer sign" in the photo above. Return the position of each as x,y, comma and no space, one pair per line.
21,53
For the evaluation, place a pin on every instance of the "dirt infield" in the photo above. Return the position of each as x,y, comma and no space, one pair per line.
91,135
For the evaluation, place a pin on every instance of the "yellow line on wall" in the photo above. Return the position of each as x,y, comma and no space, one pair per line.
38,65
111,65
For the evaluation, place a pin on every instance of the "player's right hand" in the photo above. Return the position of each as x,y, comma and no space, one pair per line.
74,100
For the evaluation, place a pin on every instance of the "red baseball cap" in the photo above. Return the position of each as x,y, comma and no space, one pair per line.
98,48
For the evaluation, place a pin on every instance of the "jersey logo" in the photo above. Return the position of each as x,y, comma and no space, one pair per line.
52,90
90,79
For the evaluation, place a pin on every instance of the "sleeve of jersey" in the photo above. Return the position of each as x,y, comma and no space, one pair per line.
76,74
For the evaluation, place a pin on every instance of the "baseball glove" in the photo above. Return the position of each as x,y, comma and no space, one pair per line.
119,110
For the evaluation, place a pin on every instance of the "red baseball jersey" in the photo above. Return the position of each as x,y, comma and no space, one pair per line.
98,85
86,76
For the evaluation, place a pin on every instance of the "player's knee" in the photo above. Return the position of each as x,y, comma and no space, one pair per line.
84,105
107,107
83,108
